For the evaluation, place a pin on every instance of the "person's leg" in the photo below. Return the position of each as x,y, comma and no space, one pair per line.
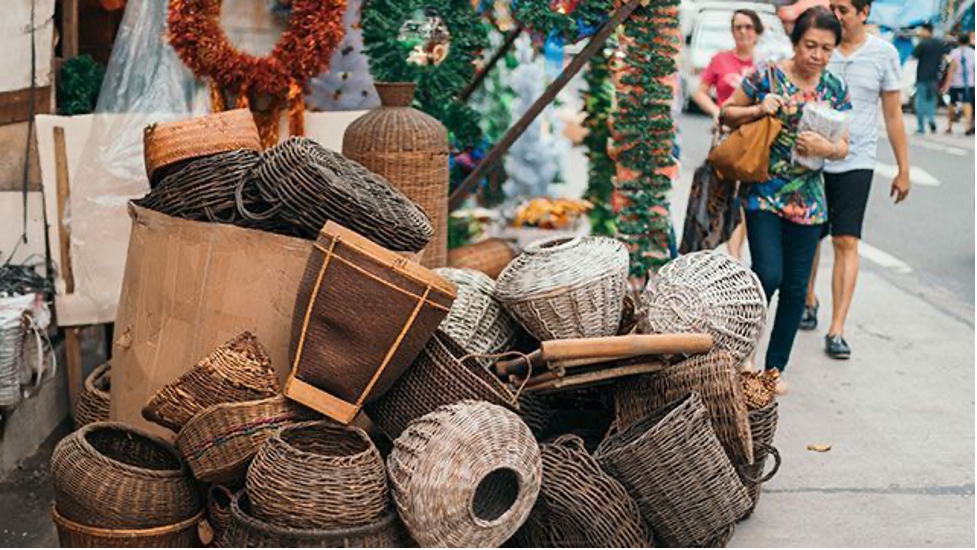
920,108
735,244
931,102
763,230
843,278
951,110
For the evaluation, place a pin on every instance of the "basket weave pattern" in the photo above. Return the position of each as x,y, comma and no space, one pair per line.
763,423
72,534
490,256
477,321
93,403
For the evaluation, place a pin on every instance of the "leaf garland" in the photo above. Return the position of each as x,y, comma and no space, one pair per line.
571,20
598,100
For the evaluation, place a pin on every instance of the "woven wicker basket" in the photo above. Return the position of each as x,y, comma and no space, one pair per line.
319,475
437,377
674,467
759,387
118,477
239,370
219,509
714,377
567,288
72,534
490,256
220,441
93,403
357,295
477,321
314,185
763,423
168,143
579,505
246,531
707,292
465,475
409,148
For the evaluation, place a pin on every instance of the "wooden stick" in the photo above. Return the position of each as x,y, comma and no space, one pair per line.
510,137
64,198
518,366
594,377
480,76
631,345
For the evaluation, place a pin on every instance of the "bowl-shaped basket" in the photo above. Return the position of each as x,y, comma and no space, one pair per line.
93,402
477,321
72,534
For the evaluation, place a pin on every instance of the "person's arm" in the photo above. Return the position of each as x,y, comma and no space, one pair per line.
741,109
702,99
892,111
945,85
813,144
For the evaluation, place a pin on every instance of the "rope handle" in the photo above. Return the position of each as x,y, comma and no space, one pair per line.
750,480
43,344
503,355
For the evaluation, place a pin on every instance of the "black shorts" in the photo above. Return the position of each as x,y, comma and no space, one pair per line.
962,95
847,194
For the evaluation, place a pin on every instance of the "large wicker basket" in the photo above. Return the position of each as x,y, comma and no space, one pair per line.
409,148
714,376
676,470
246,531
169,143
477,321
72,534
363,313
763,424
239,370
707,292
567,288
579,505
490,256
115,476
220,441
465,475
93,402
319,475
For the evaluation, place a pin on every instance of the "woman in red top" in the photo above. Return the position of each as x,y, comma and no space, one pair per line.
725,72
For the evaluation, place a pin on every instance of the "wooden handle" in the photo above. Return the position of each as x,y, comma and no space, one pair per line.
518,365
632,345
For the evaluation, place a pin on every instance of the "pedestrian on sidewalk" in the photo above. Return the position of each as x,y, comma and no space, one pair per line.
870,68
724,74
929,52
960,83
784,215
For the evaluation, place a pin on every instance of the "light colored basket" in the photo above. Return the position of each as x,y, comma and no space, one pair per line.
465,475
477,321
567,287
707,292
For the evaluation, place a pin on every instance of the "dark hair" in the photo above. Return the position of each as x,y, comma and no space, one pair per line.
817,17
862,4
928,26
757,23
964,39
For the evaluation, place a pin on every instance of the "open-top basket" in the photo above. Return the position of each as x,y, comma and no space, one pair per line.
490,256
72,534
477,321
93,402
763,424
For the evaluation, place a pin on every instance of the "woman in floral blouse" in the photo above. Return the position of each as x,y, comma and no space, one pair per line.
784,214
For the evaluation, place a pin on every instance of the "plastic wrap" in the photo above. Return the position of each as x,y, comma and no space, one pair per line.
820,118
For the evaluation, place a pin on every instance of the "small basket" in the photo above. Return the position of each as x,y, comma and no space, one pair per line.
239,370
465,475
93,403
674,467
72,534
579,505
707,292
168,143
714,377
490,256
115,476
247,531
220,441
477,321
219,509
763,424
567,288
441,375
319,475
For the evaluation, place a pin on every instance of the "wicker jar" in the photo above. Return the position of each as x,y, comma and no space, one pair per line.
93,403
409,148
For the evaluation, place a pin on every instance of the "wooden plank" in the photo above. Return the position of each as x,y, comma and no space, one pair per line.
510,137
480,76
69,28
631,345
72,350
64,195
15,106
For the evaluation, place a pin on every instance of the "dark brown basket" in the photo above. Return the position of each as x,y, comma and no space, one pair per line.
72,534
219,509
490,256
441,375
674,467
409,148
246,531
314,185
579,505
220,441
93,403
239,370
763,424
356,295
319,475
115,476
714,377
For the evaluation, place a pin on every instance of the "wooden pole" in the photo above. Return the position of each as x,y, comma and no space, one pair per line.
480,76
510,137
72,338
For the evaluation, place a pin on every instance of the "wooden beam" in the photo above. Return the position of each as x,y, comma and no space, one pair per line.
15,106
72,351
480,76
64,196
69,28
510,137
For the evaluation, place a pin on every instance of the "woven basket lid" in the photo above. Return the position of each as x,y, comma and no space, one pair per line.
561,263
477,321
165,143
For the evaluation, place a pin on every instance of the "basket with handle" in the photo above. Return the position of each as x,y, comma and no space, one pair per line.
763,425
72,534
93,402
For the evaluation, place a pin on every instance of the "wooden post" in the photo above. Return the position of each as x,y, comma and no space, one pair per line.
510,137
480,76
69,28
72,340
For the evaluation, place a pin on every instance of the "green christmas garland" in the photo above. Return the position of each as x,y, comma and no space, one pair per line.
598,99
438,84
643,134
571,20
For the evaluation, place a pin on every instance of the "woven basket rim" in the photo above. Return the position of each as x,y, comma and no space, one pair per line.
124,533
618,442
238,514
96,375
360,434
82,438
206,412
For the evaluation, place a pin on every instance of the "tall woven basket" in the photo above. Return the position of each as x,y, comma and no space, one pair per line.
410,149
93,403
763,424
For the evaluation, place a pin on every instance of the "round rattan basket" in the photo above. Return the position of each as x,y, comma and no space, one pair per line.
93,403
72,534
477,321
490,256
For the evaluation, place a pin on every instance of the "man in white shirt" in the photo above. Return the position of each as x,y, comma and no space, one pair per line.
870,67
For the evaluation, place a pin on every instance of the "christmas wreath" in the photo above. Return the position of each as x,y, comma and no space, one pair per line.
315,28
433,43
570,20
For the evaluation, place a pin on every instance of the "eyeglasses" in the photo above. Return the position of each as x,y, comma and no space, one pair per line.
742,27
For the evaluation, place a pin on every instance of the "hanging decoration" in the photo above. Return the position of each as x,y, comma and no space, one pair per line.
433,43
566,20
598,101
314,30
347,85
643,133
